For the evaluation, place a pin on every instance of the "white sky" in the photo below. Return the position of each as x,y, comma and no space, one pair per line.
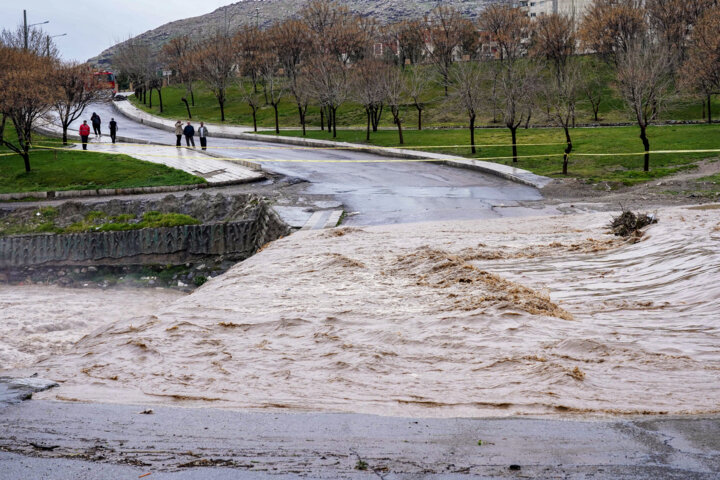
94,25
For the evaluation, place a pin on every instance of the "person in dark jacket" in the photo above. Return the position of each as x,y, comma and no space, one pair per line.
202,133
84,134
189,132
95,119
113,129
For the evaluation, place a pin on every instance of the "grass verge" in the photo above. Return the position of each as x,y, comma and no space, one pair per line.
600,154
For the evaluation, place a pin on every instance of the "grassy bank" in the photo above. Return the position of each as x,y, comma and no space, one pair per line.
439,112
82,170
590,148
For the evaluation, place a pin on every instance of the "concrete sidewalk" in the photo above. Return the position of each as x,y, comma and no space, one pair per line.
244,133
126,441
191,160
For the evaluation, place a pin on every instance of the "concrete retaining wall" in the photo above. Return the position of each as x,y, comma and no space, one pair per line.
171,245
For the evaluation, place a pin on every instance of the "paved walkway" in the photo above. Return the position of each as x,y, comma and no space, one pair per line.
190,160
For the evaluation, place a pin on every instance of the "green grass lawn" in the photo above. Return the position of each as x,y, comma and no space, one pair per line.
547,159
82,170
439,112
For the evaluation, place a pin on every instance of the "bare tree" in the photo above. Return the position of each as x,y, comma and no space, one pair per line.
38,42
561,94
554,39
408,37
216,61
76,89
701,70
442,29
644,81
274,86
674,20
299,88
467,93
248,95
514,79
395,90
418,83
26,94
330,85
610,26
132,59
368,90
594,84
177,54
250,48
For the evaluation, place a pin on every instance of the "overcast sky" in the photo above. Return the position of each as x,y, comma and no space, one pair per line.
93,26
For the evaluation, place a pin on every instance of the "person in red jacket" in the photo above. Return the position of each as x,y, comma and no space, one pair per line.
84,133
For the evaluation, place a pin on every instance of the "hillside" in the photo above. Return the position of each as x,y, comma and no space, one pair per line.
267,12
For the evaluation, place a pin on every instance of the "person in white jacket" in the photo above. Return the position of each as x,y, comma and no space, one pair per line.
202,133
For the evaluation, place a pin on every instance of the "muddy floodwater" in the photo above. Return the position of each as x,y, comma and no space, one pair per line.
482,318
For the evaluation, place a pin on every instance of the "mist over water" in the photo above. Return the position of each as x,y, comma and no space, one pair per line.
482,318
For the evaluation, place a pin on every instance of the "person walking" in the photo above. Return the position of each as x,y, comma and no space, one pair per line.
84,134
189,132
113,129
202,133
95,119
178,132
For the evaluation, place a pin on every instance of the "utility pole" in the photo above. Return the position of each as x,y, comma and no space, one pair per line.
47,44
26,28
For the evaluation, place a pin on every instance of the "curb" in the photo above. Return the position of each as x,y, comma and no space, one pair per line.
105,192
509,173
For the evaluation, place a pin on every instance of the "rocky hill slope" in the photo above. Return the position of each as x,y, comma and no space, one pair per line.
266,12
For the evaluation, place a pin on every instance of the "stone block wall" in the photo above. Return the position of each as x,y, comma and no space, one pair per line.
171,245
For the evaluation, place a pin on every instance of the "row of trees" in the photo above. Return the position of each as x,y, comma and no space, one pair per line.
505,62
34,82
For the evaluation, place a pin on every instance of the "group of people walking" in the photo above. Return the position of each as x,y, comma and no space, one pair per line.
189,132
96,123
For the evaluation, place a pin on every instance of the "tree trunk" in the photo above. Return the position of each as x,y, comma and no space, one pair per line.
596,109
568,149
334,121
64,135
160,99
302,118
709,103
322,118
367,130
222,110
646,144
187,107
419,117
513,133
150,106
472,133
254,121
277,120
399,125
2,128
144,93
192,97
26,158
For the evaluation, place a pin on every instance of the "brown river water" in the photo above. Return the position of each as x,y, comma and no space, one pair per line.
547,315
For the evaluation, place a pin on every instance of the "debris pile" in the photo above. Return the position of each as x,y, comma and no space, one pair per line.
629,224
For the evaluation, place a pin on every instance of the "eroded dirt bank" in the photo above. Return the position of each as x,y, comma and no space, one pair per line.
501,317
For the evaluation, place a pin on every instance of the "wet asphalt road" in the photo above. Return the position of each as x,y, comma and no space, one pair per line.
385,192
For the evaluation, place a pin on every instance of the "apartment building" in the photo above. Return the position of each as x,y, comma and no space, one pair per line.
537,8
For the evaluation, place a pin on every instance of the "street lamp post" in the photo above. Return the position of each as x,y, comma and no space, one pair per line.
26,27
47,42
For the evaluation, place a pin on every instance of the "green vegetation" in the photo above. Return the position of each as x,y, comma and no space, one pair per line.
82,170
438,113
546,159
45,221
